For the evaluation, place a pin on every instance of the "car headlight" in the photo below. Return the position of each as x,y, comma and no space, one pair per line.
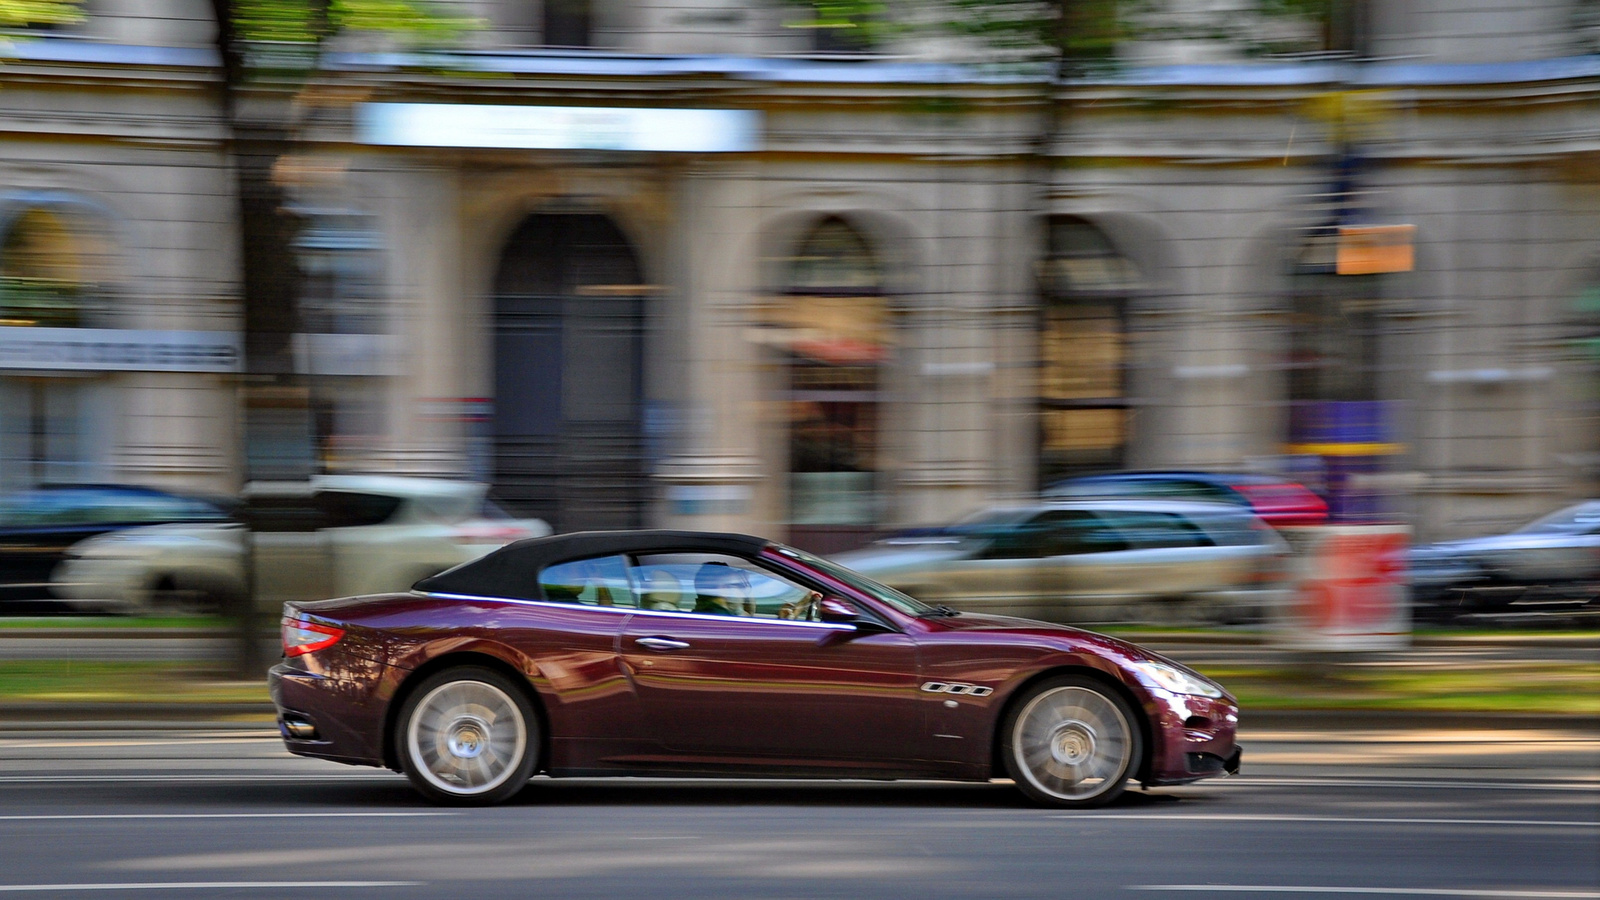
1176,680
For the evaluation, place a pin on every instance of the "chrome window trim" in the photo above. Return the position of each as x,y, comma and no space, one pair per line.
638,612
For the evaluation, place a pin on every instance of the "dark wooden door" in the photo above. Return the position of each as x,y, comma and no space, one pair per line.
569,310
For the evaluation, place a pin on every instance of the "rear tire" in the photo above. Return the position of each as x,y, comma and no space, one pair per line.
467,736
1071,742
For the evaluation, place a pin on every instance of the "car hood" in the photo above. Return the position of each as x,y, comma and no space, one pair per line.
1064,636
1495,543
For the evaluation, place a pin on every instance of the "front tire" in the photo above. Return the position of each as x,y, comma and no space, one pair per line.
1071,742
467,736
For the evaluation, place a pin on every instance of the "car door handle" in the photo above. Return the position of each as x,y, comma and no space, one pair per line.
661,643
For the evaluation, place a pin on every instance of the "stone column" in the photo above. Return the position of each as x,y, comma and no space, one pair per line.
700,365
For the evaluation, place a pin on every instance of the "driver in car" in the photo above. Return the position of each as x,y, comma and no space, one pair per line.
722,590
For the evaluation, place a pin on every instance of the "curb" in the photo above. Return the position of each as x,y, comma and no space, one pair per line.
1375,719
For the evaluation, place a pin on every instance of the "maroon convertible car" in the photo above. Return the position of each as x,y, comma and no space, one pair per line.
680,653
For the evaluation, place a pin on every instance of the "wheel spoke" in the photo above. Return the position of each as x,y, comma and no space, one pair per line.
466,737
1072,743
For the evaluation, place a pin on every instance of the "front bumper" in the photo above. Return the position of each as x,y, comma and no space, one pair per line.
1192,738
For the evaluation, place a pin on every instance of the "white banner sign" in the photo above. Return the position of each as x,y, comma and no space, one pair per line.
1351,591
119,350
559,127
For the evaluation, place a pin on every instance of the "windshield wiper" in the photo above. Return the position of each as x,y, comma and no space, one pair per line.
941,612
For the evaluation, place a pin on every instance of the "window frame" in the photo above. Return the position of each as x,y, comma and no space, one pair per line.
800,579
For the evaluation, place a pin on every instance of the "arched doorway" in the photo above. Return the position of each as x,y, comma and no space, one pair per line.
837,337
568,351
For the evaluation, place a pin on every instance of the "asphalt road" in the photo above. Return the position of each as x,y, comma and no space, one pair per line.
226,813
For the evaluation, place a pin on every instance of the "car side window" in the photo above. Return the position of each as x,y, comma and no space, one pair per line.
602,581
283,514
1075,531
718,584
1019,540
1155,530
349,509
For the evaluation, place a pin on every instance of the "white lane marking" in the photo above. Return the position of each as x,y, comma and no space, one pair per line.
1574,785
197,886
1390,891
1358,820
282,815
198,779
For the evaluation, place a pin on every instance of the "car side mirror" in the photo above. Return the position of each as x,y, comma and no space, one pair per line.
837,611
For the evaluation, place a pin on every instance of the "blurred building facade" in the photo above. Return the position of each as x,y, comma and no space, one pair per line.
882,288
118,310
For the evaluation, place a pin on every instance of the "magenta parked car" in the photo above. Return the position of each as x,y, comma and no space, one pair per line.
678,653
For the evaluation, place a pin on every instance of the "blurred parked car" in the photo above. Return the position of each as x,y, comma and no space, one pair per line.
1551,565
38,526
1278,502
337,535
1091,561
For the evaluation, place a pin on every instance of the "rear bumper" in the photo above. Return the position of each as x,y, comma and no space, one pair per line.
329,718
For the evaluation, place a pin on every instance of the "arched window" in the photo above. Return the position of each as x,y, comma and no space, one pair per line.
55,267
57,270
1083,405
834,329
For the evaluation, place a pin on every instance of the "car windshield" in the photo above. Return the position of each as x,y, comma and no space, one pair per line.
905,603
1581,519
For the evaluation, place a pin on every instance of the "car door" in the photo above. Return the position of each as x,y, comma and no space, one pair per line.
292,558
371,552
1002,574
1162,554
729,664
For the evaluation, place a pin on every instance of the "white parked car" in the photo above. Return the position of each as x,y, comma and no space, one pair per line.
334,536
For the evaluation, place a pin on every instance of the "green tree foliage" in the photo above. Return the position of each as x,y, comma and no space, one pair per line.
311,21
1078,35
25,13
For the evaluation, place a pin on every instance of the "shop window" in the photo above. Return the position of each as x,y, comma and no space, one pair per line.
568,23
1083,405
833,327
1340,428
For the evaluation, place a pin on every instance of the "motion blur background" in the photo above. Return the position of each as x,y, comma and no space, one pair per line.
910,264
817,271
391,282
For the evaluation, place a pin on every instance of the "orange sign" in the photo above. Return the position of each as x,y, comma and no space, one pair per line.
1375,249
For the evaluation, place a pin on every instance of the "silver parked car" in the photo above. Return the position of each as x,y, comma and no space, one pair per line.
333,536
1550,565
1091,562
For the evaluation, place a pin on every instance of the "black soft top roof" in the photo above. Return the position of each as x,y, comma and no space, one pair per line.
513,570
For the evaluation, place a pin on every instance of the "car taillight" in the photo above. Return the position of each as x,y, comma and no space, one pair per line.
302,636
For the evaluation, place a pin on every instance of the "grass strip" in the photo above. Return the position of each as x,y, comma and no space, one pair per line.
75,681
132,623
1511,687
